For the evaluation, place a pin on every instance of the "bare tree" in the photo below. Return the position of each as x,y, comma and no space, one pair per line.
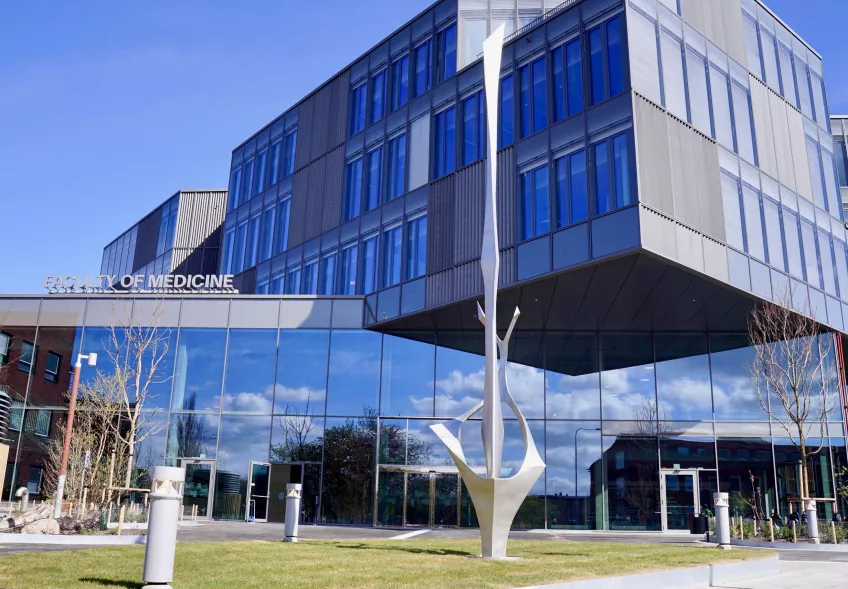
296,427
788,375
136,353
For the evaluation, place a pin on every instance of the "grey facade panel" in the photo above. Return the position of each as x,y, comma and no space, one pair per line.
616,232
441,224
652,155
571,246
469,211
317,175
305,138
733,33
321,101
333,188
568,132
533,148
299,200
798,145
762,127
509,267
507,203
59,312
337,115
439,288
709,188
693,13
782,139
467,281
683,179
534,257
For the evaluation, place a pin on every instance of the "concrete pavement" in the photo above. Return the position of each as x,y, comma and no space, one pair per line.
793,574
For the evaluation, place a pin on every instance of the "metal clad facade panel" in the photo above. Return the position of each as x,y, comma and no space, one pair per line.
305,137
440,224
469,211
298,207
762,126
684,178
693,13
533,148
733,33
338,110
507,204
653,163
798,146
709,188
783,151
333,188
320,121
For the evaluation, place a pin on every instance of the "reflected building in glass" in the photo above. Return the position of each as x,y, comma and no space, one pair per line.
663,165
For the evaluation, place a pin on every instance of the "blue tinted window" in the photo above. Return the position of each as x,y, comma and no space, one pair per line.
469,130
375,178
252,242
378,98
574,67
292,281
328,274
266,248
353,190
369,265
310,277
397,166
354,380
199,370
447,53
282,233
816,173
416,249
423,54
227,254
621,169
507,111
602,178
301,381
249,380
247,181
578,190
559,84
239,246
235,187
614,57
445,137
348,271
841,163
525,100
596,64
392,242
291,147
535,205
274,164
407,389
357,109
540,110
400,81
259,176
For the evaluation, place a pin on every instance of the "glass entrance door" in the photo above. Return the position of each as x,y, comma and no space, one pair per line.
680,498
199,483
416,497
257,492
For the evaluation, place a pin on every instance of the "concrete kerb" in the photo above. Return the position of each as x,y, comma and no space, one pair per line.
73,540
692,578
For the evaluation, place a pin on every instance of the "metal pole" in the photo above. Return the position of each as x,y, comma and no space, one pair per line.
63,469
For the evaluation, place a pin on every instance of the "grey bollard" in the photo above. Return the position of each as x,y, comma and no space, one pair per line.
812,521
166,494
721,502
292,511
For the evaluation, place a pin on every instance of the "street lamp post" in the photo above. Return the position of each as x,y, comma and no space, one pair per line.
63,468
579,429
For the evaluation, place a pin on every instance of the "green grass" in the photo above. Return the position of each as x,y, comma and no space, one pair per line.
424,564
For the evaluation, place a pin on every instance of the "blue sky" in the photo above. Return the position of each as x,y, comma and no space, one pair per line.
107,108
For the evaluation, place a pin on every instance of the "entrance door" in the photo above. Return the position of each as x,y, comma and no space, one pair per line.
199,485
417,497
680,498
257,492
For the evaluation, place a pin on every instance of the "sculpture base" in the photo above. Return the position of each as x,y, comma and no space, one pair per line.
501,558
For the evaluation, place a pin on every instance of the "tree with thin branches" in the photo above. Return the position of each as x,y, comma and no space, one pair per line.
790,378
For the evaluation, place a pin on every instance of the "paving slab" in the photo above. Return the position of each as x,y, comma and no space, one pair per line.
795,574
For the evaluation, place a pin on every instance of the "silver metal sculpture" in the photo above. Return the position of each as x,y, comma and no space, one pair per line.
496,499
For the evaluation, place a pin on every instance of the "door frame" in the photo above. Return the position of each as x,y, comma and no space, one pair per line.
210,498
696,494
250,492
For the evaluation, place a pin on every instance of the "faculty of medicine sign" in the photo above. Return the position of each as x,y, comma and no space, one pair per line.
139,284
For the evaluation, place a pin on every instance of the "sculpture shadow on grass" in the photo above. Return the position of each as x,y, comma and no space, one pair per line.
408,549
112,583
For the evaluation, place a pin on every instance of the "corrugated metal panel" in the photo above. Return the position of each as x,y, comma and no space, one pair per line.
509,267
798,145
533,148
568,132
439,288
507,205
467,281
565,23
593,9
338,111
709,188
199,218
653,163
683,175
379,57
320,121
313,223
298,207
734,36
444,93
762,127
609,114
441,224
333,188
469,212
305,135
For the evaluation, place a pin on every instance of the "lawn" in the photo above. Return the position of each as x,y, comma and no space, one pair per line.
356,564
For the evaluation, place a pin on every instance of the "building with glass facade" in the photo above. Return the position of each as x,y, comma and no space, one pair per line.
662,167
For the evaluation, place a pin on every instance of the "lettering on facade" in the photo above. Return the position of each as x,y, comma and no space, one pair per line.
140,284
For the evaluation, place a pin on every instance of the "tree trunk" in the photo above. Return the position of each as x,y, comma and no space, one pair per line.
131,452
